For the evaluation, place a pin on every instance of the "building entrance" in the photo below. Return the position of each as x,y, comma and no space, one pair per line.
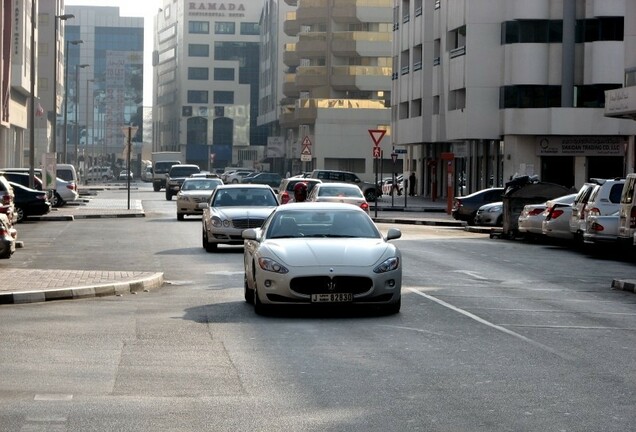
558,169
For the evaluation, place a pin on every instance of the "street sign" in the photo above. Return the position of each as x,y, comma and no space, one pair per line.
306,141
376,136
400,151
305,158
377,151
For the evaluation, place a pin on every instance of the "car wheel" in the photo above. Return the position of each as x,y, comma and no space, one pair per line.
209,247
499,221
249,293
235,181
370,195
259,308
393,308
56,200
179,216
156,187
19,214
168,196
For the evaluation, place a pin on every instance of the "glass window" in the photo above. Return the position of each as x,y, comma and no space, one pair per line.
224,97
250,28
533,31
223,74
197,96
198,50
224,28
199,27
198,73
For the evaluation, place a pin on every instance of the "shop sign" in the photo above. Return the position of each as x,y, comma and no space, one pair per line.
581,146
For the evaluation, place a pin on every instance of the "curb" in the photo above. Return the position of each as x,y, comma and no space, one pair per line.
624,285
120,288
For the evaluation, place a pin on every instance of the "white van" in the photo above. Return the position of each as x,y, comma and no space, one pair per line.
627,212
67,173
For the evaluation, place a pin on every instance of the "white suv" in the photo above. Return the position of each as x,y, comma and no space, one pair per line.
599,197
99,173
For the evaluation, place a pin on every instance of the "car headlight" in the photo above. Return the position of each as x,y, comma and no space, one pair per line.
388,265
495,209
270,265
217,222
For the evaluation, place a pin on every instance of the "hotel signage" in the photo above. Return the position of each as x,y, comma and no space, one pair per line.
217,9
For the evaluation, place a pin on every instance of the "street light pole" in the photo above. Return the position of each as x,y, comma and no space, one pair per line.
53,143
77,99
64,131
92,110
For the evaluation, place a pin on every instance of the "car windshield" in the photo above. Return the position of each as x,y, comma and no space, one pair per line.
340,192
201,184
306,223
244,197
178,171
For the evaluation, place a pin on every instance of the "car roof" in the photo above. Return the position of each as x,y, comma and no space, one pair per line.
243,186
338,184
318,206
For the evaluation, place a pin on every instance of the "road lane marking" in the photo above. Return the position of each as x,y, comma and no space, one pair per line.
492,325
471,273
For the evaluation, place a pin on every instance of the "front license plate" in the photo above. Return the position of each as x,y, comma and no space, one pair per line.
332,298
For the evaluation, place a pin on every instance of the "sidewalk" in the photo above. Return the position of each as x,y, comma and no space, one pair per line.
27,286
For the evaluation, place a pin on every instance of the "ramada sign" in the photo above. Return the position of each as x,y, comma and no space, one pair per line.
216,6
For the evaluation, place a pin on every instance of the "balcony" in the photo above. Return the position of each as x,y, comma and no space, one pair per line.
290,55
312,45
289,86
312,12
363,44
363,78
362,11
291,26
308,77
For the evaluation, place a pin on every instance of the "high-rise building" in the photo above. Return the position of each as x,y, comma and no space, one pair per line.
103,83
509,88
205,60
337,86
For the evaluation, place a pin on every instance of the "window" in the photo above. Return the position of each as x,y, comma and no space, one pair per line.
416,108
456,99
224,28
532,31
198,73
403,110
223,97
250,28
223,74
592,96
197,96
198,50
530,96
199,27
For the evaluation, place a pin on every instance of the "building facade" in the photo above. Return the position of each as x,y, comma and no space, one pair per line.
337,85
510,88
104,84
206,66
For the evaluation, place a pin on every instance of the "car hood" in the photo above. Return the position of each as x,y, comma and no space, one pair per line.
242,212
300,252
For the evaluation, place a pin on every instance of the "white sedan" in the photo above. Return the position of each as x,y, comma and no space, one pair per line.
193,192
338,193
321,254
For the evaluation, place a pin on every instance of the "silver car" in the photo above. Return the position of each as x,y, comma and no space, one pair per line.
193,193
321,254
233,208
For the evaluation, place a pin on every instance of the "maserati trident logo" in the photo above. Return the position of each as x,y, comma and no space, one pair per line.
331,285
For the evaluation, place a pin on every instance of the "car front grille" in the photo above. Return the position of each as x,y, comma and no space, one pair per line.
324,284
248,223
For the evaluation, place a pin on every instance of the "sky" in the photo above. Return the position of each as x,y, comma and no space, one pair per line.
135,8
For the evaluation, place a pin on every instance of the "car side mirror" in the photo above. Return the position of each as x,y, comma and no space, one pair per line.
203,205
250,234
393,234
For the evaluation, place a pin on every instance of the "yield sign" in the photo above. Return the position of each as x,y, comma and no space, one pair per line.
376,135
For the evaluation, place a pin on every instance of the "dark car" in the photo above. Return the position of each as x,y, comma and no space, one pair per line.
465,207
176,177
267,178
29,202
23,179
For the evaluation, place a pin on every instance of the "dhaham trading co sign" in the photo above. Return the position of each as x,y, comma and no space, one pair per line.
581,146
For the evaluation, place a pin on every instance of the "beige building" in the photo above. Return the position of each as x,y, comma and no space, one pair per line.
337,84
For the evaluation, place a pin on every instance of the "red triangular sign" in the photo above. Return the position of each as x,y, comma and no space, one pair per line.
377,135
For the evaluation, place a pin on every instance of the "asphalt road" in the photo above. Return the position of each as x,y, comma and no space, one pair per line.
493,335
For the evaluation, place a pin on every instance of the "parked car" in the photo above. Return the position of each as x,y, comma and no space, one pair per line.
146,173
286,188
627,213
532,216
371,191
233,208
312,254
7,200
125,175
99,173
29,202
601,230
237,175
387,185
194,192
23,178
176,176
490,214
556,224
64,191
7,237
577,217
67,173
268,178
339,193
465,207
